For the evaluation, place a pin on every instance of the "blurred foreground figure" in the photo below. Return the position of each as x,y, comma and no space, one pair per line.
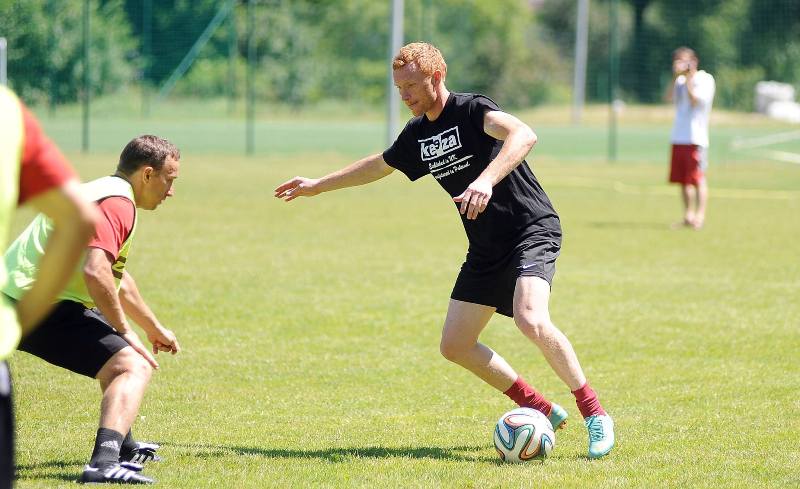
33,171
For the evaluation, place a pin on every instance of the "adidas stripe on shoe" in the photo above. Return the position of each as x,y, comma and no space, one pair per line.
143,453
113,474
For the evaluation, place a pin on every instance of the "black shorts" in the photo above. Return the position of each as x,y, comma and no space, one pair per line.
75,338
6,429
494,285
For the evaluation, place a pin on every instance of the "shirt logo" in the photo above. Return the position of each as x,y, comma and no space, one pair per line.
439,145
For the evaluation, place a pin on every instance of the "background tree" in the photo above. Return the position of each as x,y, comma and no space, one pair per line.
519,52
46,48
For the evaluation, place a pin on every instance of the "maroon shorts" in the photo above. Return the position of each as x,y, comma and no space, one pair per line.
688,164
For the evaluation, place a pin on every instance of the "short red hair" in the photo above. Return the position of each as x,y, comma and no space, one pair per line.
426,56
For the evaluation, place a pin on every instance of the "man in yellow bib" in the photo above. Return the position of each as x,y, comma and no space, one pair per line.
88,331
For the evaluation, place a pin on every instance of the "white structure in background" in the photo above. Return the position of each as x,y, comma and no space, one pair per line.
776,100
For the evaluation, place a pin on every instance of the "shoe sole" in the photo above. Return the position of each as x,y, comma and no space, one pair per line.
599,456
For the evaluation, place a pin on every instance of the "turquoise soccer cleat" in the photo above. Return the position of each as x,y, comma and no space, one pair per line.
558,417
601,434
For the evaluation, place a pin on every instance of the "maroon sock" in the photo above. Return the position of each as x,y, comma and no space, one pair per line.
587,401
526,396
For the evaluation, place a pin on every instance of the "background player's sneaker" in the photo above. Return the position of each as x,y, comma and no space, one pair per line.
113,474
557,417
143,453
601,434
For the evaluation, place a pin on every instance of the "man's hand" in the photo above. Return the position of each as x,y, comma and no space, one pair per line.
297,187
475,198
163,340
691,70
133,339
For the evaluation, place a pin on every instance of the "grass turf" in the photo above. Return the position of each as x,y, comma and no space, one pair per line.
310,329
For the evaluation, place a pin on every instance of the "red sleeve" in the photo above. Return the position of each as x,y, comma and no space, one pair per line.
111,231
43,167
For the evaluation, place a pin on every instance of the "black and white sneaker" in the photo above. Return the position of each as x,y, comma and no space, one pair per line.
113,474
132,466
143,453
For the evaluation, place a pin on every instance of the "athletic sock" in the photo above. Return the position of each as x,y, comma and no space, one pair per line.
587,401
128,444
106,448
526,396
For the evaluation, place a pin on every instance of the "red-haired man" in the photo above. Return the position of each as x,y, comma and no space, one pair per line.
476,152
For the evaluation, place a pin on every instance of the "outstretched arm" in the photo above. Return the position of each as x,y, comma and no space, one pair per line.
137,309
73,221
363,171
518,140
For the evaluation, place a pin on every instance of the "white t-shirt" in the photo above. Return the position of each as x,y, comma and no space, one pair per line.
691,123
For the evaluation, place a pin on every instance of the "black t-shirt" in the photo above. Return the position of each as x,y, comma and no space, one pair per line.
455,150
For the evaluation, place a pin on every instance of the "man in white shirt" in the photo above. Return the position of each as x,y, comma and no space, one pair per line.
692,92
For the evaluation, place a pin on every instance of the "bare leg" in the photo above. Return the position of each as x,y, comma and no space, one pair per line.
702,200
688,213
531,313
123,380
459,344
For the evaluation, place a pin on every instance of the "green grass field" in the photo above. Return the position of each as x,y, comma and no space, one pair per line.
311,329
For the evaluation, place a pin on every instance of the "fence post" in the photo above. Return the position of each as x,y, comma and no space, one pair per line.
232,53
3,61
613,75
147,52
581,48
86,78
395,43
251,61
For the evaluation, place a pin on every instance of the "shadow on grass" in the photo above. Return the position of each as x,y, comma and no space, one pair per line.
339,454
44,470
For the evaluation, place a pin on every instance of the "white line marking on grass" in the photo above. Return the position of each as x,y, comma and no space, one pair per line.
714,192
759,141
784,156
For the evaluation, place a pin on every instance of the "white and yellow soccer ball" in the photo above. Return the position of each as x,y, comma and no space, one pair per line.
523,434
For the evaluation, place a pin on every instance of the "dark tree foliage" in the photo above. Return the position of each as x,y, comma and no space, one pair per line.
45,48
519,52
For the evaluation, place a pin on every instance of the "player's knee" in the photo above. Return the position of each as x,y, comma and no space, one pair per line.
451,350
534,326
130,362
142,368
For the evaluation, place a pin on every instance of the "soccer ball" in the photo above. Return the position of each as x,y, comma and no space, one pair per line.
523,434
